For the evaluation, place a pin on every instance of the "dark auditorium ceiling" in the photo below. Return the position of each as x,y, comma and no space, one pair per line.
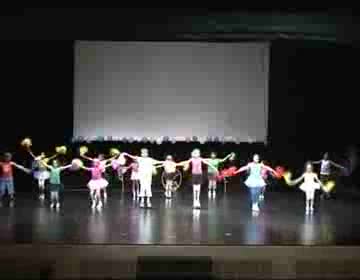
179,24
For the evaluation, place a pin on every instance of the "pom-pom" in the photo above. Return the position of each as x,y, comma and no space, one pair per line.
61,150
232,157
329,186
83,150
76,164
114,152
45,160
154,171
27,143
287,177
228,172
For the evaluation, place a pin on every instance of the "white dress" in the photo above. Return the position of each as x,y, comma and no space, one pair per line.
309,186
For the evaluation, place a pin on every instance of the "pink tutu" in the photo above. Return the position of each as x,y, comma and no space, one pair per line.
97,184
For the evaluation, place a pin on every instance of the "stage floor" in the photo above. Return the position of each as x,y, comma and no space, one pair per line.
225,220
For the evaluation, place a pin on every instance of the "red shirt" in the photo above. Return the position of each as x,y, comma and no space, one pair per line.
6,170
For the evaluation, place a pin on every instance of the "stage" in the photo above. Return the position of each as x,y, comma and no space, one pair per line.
223,240
226,219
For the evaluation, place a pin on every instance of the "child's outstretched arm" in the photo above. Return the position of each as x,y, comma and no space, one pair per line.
22,168
130,156
227,157
337,165
86,157
296,181
65,167
242,169
268,168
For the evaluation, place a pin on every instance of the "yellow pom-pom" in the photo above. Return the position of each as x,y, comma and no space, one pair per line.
46,160
61,150
329,186
77,163
287,177
114,152
83,150
27,143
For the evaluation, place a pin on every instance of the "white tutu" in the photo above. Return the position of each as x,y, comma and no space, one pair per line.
255,182
42,175
309,189
135,176
97,184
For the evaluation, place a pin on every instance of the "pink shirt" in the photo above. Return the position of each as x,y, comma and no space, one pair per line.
196,165
96,173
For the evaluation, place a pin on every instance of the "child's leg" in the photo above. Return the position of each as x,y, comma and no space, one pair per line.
93,198
98,198
134,191
255,193
142,192
41,183
148,192
10,189
2,190
105,193
52,199
194,195
169,184
197,194
57,199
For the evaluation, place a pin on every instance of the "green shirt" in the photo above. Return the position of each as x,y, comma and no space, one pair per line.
55,176
214,162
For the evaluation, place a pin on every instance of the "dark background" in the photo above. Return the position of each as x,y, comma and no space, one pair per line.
312,99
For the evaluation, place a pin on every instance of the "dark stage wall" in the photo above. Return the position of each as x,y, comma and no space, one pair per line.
312,108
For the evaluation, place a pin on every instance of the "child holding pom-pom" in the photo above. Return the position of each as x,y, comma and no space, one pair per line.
55,186
103,163
97,182
7,179
40,171
212,173
309,186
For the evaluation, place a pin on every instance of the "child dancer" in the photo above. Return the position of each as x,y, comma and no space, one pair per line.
309,186
255,181
325,172
55,186
7,179
97,182
135,178
170,172
40,171
196,174
146,168
103,163
212,173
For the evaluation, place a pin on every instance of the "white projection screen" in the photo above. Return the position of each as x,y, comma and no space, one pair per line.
171,89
